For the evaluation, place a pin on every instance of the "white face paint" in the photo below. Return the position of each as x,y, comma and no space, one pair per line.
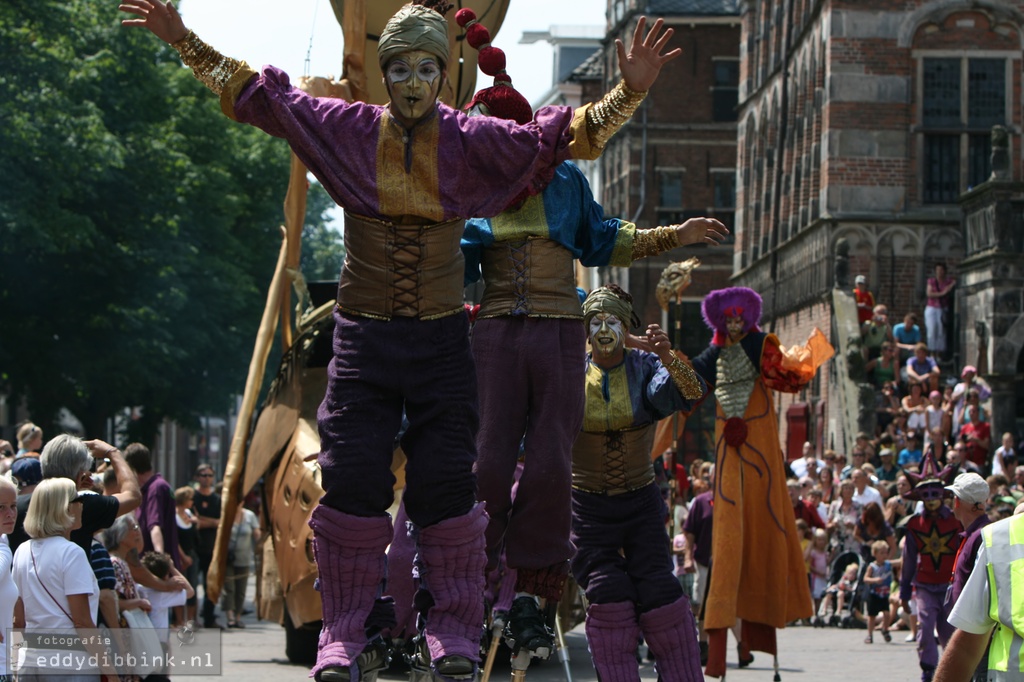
607,335
414,82
734,325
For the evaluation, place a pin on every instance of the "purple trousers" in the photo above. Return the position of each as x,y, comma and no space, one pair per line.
379,368
635,522
932,614
530,373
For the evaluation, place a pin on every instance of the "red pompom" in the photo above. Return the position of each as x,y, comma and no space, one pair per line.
491,61
464,16
735,432
477,35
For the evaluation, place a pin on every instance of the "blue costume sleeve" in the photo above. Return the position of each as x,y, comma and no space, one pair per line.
599,240
472,245
661,396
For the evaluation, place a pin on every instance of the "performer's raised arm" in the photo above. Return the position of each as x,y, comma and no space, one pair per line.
640,68
210,67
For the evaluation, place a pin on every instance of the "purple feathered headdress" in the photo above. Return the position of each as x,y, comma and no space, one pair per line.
731,302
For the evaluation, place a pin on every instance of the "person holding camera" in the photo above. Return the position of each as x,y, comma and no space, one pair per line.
70,457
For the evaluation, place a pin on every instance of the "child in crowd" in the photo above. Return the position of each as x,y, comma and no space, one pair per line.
160,565
1005,460
816,556
843,591
878,578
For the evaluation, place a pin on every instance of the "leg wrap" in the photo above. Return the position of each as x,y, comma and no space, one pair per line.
546,583
671,633
349,552
451,563
612,635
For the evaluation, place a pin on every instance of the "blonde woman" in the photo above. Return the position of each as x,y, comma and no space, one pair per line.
54,578
8,590
30,440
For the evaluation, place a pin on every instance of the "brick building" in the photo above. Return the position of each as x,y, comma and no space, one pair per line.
864,121
674,160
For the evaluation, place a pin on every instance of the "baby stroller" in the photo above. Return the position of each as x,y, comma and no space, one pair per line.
831,612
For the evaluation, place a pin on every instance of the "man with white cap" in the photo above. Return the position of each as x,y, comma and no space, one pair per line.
970,494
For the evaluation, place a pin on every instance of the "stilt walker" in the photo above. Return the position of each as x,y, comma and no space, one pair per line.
929,556
622,559
758,572
528,345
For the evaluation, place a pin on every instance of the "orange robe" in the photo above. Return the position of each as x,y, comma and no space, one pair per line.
757,572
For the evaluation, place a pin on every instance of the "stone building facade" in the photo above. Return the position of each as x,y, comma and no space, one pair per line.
865,121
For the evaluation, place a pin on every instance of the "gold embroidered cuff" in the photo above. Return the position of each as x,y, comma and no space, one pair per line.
210,67
652,242
606,117
685,379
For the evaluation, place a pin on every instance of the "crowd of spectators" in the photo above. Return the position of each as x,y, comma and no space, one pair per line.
93,538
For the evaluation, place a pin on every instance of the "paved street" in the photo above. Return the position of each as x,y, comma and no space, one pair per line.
256,654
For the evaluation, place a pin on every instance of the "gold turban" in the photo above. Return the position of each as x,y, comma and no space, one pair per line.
414,27
604,300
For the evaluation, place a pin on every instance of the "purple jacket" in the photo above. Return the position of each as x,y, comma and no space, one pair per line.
966,557
699,524
448,166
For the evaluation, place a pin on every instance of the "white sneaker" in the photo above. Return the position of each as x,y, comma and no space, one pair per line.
910,638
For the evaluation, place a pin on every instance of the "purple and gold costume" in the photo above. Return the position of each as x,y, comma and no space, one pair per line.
622,558
528,344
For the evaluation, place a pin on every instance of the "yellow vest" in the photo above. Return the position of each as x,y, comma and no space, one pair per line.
1004,547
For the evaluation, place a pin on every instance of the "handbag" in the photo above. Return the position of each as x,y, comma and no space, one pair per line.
145,642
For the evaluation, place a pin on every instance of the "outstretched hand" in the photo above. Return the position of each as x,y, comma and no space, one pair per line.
659,343
641,66
701,231
161,18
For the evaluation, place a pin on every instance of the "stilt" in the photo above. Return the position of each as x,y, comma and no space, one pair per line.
497,626
777,678
563,650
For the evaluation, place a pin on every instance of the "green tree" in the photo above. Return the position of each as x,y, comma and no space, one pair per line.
323,250
139,225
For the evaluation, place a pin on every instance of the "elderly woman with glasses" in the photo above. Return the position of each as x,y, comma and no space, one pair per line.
58,588
124,541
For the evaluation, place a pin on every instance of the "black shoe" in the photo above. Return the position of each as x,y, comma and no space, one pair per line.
375,657
744,661
456,667
452,667
526,629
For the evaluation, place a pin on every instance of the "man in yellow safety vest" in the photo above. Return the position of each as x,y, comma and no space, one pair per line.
992,597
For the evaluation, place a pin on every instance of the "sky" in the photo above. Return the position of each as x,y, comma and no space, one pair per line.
278,32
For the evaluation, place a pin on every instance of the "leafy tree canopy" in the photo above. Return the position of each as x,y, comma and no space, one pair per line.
138,225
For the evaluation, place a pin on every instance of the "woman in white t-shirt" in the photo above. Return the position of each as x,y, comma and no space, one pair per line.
8,590
57,587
